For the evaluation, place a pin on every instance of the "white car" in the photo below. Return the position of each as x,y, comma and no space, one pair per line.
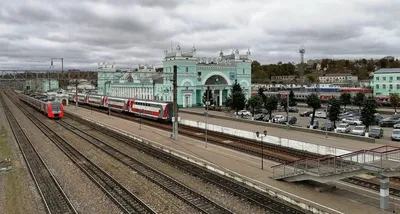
278,118
358,130
352,120
319,114
343,128
244,113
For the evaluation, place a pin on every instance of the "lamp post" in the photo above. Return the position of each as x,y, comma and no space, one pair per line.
262,146
207,106
287,109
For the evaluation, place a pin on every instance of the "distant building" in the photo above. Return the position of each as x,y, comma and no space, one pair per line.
41,85
338,78
318,67
194,75
83,85
386,81
390,58
283,79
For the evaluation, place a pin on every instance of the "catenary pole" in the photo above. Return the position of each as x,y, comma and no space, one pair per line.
175,103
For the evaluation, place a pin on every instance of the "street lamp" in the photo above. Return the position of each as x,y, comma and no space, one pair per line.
326,121
262,146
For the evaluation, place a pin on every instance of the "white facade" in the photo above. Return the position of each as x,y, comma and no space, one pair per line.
84,85
338,78
106,67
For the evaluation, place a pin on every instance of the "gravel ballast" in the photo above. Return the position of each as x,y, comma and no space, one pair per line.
216,194
84,194
150,193
18,192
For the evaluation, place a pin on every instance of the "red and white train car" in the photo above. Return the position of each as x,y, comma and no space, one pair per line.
95,100
82,98
52,109
117,103
152,109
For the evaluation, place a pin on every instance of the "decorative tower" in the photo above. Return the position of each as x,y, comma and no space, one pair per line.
178,50
237,56
248,53
194,51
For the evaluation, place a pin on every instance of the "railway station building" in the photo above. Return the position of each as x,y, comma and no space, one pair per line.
194,73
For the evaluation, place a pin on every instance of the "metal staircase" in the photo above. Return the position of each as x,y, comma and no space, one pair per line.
384,160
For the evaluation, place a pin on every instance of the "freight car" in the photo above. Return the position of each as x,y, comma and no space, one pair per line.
51,108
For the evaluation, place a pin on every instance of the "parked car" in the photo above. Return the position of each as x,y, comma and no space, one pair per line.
319,114
329,126
315,124
259,116
278,118
396,134
293,109
306,113
377,119
266,118
243,113
343,128
292,120
390,121
352,120
358,130
376,132
349,113
396,126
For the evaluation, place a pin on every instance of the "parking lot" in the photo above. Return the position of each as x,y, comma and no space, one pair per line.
303,121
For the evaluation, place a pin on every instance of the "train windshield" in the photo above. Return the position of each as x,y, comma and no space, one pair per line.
56,106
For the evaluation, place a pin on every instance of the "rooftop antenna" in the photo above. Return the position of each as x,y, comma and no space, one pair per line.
171,47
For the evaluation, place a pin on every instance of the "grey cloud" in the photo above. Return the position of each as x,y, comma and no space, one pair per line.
129,32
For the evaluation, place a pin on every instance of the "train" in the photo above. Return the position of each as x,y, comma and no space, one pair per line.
53,109
149,109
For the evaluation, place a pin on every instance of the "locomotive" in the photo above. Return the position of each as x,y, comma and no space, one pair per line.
51,108
149,109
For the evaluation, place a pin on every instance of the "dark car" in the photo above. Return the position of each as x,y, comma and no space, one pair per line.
259,116
328,126
306,113
292,120
390,121
376,132
315,124
266,118
293,109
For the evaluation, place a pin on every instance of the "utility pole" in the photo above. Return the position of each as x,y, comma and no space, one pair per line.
287,109
207,104
76,94
175,104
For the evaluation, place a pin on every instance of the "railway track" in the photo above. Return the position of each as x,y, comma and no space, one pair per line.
127,201
174,187
53,196
275,153
272,152
270,204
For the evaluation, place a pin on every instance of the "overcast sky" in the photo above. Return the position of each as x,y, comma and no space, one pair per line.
130,32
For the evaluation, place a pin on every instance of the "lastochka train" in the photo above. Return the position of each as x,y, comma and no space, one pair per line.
51,108
149,109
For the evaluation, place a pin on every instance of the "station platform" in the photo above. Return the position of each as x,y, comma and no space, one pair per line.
336,142
245,167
